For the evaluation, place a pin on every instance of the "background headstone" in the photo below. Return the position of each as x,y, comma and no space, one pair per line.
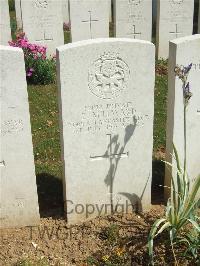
184,51
5,32
133,19
110,8
89,19
43,23
174,20
18,14
107,101
65,10
18,201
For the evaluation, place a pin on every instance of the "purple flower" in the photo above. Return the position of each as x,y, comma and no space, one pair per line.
187,69
182,73
186,92
29,74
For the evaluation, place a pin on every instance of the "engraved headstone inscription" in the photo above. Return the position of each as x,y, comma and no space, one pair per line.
5,32
133,19
174,20
43,22
183,52
18,201
106,110
89,19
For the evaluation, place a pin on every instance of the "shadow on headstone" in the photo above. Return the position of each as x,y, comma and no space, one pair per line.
50,196
115,151
196,12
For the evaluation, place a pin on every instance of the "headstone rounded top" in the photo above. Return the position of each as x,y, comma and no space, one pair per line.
186,39
101,40
14,49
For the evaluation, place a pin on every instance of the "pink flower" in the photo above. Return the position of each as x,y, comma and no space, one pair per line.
29,74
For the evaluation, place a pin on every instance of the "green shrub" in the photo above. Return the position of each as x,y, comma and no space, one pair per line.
192,244
40,69
44,71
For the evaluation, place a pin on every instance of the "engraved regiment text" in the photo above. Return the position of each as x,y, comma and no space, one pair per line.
107,117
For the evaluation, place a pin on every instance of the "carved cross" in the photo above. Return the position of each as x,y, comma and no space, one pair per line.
176,32
134,33
44,38
110,155
90,20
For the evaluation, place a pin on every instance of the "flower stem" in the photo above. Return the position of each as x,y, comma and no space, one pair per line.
185,140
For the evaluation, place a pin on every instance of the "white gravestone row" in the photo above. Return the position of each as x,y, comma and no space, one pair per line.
133,19
183,52
18,201
5,32
43,23
174,20
106,127
106,106
89,19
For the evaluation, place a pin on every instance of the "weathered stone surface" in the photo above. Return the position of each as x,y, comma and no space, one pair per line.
5,33
133,19
18,13
110,10
183,52
18,202
174,20
89,19
106,91
43,23
65,11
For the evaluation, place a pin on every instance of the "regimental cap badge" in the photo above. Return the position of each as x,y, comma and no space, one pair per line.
108,76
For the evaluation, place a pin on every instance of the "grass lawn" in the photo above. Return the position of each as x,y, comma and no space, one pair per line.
45,129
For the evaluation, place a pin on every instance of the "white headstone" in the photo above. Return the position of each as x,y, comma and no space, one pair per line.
5,32
174,20
89,19
107,102
133,19
43,23
183,52
18,12
65,11
18,201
